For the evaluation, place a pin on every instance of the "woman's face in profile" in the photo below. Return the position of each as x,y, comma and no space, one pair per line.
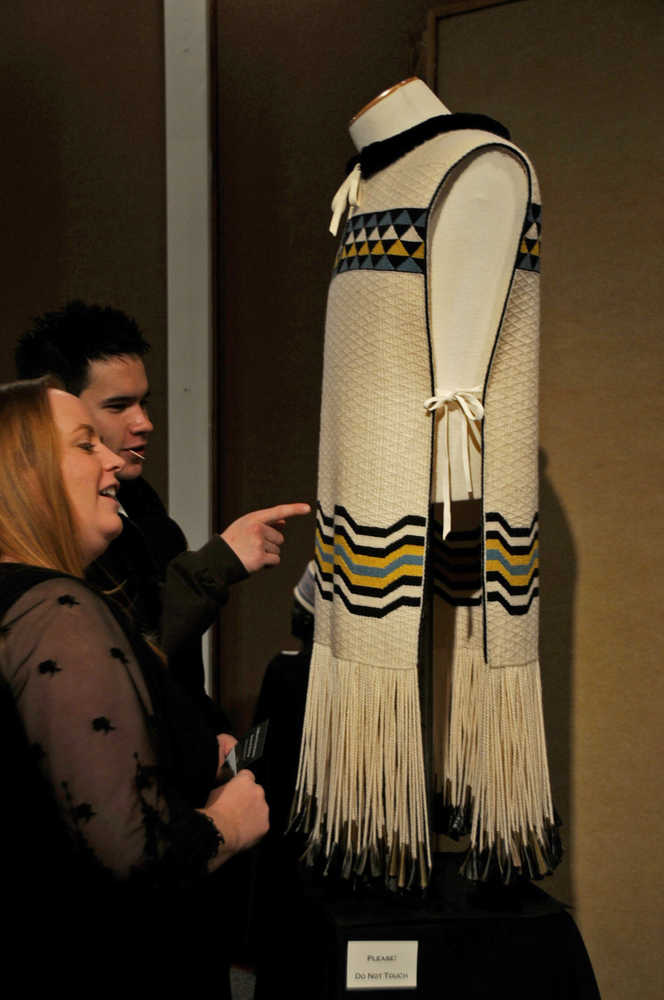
88,472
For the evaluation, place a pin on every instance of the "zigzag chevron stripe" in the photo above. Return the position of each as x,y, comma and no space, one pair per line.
382,567
520,565
515,589
341,514
327,521
349,538
367,585
372,607
366,610
511,563
514,609
498,542
457,566
370,550
493,517
373,570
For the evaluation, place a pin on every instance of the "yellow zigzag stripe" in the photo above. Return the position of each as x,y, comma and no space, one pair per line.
378,562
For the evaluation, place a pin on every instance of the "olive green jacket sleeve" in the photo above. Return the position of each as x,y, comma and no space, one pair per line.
196,587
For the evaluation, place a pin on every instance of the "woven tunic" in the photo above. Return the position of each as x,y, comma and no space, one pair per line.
361,775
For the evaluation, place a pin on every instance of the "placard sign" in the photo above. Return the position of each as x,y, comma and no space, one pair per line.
381,965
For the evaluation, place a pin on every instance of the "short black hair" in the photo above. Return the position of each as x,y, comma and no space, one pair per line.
64,342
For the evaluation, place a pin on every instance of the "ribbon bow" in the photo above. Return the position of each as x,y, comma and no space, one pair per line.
470,404
348,194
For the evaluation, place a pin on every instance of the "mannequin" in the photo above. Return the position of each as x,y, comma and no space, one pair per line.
476,223
429,413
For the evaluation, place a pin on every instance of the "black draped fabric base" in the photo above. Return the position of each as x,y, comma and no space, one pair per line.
473,940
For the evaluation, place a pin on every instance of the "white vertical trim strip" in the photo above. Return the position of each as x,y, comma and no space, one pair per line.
186,57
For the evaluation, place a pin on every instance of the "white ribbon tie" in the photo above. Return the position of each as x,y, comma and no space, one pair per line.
348,194
468,400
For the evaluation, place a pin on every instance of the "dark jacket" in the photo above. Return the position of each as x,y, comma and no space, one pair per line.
173,594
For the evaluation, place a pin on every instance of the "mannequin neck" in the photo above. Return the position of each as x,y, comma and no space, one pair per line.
403,106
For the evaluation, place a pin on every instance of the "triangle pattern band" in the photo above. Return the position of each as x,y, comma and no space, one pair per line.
384,241
396,241
528,257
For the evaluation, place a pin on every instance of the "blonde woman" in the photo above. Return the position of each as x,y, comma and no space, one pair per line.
113,776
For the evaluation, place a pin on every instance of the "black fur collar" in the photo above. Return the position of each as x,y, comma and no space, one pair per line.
379,155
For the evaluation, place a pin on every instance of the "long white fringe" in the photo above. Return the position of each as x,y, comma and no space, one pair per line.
361,788
495,762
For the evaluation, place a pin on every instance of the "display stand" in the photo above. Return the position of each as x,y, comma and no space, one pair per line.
471,941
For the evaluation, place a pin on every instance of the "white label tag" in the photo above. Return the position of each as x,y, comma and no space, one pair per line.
381,965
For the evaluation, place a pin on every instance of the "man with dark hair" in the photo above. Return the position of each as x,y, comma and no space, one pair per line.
66,341
172,593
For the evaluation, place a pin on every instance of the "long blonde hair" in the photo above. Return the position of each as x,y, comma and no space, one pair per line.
36,521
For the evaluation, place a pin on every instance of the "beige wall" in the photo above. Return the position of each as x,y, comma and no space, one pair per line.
82,171
579,84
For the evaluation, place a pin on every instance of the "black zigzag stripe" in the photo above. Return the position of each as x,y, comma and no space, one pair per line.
368,550
367,591
511,588
514,550
325,594
328,577
369,612
413,520
514,532
513,609
328,521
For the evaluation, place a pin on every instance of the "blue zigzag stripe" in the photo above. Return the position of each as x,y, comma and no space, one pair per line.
515,569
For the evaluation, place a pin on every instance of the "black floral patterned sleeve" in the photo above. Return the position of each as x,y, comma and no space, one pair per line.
89,718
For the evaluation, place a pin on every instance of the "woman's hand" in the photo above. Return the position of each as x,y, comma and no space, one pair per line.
239,811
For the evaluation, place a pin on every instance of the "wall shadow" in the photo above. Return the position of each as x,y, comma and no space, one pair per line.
558,566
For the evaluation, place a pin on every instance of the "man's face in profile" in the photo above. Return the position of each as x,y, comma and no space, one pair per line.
116,394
